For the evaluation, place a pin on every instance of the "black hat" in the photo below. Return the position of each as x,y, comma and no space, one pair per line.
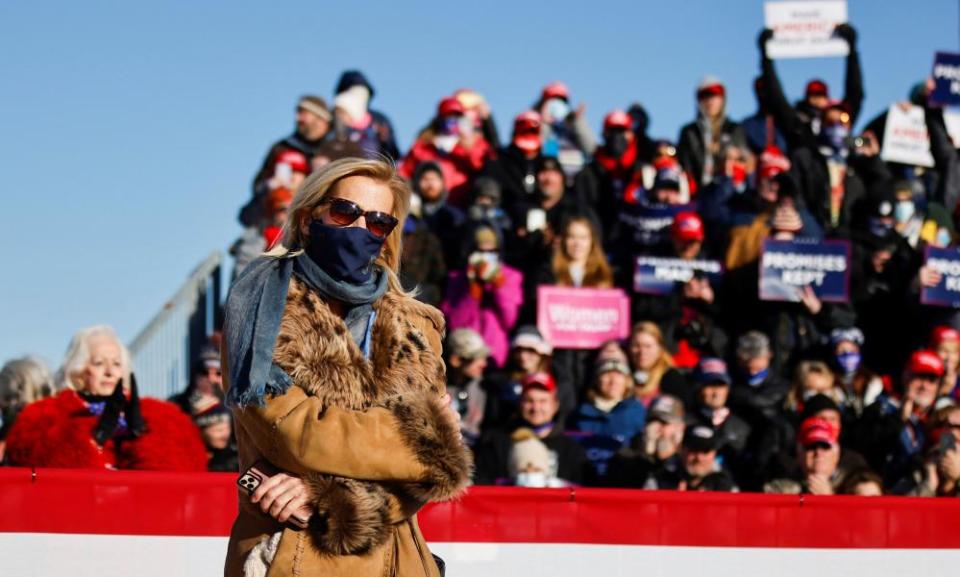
817,403
547,163
351,78
700,438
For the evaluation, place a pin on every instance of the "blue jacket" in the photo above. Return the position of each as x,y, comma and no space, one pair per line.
603,434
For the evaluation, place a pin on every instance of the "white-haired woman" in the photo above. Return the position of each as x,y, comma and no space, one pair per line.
22,381
336,379
97,421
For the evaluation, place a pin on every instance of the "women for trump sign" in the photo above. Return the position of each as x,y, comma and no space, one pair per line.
580,318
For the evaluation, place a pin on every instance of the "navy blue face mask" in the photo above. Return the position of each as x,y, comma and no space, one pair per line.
346,253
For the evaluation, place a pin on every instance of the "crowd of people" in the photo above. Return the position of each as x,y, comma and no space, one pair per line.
715,388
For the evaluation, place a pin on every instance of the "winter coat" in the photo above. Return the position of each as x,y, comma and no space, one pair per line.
365,434
493,457
459,166
602,434
422,263
946,159
57,432
516,175
692,150
252,212
493,315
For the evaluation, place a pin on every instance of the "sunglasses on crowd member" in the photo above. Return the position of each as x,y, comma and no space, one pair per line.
344,212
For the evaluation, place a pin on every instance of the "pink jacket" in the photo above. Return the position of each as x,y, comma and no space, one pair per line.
493,319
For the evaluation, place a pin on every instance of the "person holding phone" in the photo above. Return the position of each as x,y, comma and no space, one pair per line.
336,379
486,294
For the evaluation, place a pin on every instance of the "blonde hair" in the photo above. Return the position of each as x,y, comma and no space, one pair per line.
597,273
323,182
663,363
26,379
78,355
804,370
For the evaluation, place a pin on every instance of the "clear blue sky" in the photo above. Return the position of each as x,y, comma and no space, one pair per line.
130,131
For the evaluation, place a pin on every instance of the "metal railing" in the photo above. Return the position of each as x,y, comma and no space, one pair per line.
163,351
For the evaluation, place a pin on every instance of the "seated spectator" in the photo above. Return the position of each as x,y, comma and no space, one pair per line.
466,360
444,220
453,143
863,483
812,378
610,417
206,384
422,264
703,141
655,455
892,432
530,462
945,341
652,365
538,411
486,295
566,134
530,353
710,410
515,166
356,122
861,386
22,381
97,420
757,393
818,456
313,126
689,314
215,422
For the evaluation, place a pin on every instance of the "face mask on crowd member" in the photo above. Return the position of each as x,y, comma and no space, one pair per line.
526,133
346,231
846,343
451,125
735,166
835,133
617,133
555,106
754,355
486,200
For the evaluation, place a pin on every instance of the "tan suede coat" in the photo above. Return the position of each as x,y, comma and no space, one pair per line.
367,435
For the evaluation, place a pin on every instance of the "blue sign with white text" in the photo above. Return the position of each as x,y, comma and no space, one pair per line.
657,275
946,293
946,77
788,268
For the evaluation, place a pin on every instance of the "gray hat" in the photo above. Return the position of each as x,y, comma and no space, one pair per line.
467,344
753,344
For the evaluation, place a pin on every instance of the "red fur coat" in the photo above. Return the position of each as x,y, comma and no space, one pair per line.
58,432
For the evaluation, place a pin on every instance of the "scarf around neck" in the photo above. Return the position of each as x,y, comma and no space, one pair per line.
254,311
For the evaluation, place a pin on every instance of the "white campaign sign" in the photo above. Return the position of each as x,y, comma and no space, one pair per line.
951,118
905,139
804,29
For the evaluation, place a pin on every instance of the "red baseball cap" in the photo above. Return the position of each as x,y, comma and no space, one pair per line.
817,87
818,430
772,162
711,90
617,119
450,106
555,90
925,363
294,159
540,380
526,131
687,227
942,334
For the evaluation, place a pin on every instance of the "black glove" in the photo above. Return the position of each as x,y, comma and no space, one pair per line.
110,417
116,405
762,40
848,33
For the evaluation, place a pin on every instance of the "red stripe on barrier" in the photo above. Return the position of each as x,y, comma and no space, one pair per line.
184,504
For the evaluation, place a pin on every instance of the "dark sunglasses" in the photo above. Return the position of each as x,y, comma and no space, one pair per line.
344,212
